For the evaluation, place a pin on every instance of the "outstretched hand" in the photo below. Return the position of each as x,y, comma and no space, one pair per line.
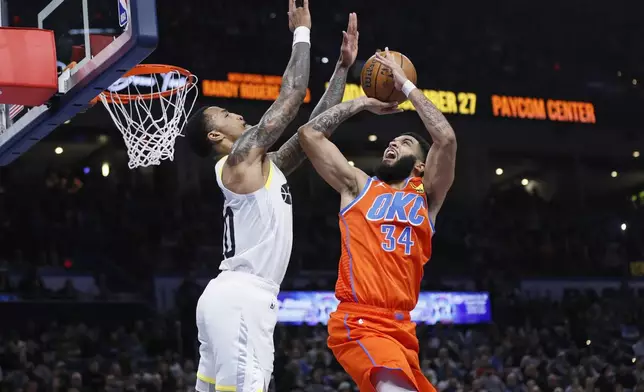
388,61
378,107
298,16
349,49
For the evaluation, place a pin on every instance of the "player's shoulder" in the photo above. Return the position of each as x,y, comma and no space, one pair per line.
415,184
372,183
220,160
219,164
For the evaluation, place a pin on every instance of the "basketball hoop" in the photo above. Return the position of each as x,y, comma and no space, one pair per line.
148,106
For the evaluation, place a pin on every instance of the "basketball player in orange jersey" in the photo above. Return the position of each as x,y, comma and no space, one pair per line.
386,223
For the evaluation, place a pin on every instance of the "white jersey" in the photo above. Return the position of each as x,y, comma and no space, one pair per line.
258,227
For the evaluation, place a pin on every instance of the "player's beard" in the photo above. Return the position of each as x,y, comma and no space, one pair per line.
397,171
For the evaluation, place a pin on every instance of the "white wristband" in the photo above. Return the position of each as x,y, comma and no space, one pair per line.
302,34
408,87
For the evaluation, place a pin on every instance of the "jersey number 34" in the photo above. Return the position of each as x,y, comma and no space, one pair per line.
403,207
392,240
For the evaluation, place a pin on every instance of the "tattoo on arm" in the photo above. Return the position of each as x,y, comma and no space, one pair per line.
328,121
437,125
441,159
291,155
333,95
282,112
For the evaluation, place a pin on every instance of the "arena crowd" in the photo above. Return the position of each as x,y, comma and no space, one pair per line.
586,342
73,216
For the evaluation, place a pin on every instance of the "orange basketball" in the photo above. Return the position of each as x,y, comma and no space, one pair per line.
378,82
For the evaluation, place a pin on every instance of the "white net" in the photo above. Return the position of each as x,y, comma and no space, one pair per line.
150,126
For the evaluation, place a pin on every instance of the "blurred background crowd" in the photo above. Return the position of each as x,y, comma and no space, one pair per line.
584,342
125,228
83,240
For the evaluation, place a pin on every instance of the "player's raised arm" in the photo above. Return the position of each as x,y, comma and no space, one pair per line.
253,144
327,159
291,155
348,53
441,159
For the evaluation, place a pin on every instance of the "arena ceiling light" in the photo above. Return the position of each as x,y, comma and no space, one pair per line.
58,150
105,169
373,138
636,154
525,182
499,171
613,174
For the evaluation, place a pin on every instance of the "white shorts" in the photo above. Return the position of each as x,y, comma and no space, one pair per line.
236,317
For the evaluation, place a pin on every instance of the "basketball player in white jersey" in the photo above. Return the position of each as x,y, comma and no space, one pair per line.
237,312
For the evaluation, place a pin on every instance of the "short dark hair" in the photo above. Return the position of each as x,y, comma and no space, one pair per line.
424,144
196,133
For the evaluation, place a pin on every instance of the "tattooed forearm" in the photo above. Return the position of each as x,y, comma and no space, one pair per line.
437,125
291,155
328,121
441,158
333,95
282,111
296,76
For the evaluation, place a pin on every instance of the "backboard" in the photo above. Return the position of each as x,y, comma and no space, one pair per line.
104,38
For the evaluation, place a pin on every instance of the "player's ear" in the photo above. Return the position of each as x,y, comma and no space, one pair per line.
419,166
215,137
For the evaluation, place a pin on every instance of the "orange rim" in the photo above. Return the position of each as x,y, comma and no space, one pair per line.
148,69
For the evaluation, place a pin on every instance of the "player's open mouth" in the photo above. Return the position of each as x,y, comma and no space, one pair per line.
390,154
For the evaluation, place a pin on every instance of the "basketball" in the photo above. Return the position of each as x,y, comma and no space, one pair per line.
378,82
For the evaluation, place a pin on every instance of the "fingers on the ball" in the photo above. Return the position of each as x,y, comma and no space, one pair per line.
306,4
291,5
392,110
381,59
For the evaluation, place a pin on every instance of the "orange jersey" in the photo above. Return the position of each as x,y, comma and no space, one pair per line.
386,241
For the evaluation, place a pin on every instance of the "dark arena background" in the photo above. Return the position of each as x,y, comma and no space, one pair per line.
535,281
